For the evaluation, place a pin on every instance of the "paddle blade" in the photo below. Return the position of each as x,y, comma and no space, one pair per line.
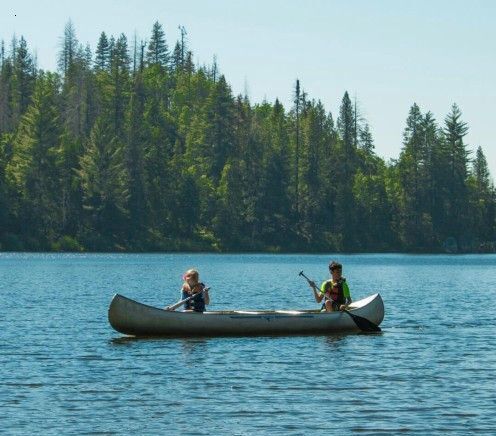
363,323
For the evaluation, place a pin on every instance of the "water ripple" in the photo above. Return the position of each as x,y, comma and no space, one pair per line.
64,371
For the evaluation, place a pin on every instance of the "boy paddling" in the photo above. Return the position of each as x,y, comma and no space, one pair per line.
335,290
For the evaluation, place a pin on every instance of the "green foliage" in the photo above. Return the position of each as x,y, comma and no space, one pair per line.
32,168
67,243
163,156
104,184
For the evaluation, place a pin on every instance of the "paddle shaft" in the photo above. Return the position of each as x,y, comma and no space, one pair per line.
179,303
310,282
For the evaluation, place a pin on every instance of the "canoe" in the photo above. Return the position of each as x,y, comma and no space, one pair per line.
136,319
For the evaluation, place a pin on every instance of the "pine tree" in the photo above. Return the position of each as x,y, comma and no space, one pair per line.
313,149
480,171
118,87
274,184
482,202
346,125
416,222
189,66
7,122
228,221
69,47
4,198
104,183
158,52
219,138
456,169
366,141
24,79
78,106
180,50
157,159
32,168
373,207
343,174
102,54
297,112
134,158
177,60
2,53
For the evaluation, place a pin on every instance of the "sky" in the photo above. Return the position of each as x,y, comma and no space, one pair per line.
388,54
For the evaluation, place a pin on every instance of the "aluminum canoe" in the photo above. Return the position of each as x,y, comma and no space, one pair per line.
136,319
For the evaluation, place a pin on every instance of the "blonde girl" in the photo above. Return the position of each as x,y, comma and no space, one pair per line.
193,286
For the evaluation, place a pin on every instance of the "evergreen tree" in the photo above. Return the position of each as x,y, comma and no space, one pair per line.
69,47
102,54
374,209
32,168
180,50
177,60
417,171
157,158
410,170
315,138
4,200
365,139
455,156
104,184
482,202
343,173
118,87
219,138
24,79
7,121
274,184
480,171
78,106
297,112
346,125
189,66
2,53
431,177
228,220
134,158
158,52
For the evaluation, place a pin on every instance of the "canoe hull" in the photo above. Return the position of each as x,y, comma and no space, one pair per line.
136,319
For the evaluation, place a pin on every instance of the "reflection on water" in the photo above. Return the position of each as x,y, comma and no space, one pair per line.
190,346
334,341
64,370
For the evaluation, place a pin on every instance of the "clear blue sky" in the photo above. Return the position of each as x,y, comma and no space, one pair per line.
388,53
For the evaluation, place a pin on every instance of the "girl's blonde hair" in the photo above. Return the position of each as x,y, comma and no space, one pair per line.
193,273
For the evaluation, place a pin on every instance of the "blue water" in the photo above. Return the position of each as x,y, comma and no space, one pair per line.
63,370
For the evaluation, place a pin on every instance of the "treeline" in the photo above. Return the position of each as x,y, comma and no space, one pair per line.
134,147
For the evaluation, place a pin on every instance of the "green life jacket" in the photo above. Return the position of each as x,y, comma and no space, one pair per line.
335,291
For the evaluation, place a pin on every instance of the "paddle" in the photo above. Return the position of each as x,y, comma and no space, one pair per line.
362,323
179,303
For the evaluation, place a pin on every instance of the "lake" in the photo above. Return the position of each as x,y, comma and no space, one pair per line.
63,370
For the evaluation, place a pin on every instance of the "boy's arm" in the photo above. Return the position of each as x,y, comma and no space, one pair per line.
317,294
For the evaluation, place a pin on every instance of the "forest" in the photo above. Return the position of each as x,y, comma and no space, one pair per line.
134,147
